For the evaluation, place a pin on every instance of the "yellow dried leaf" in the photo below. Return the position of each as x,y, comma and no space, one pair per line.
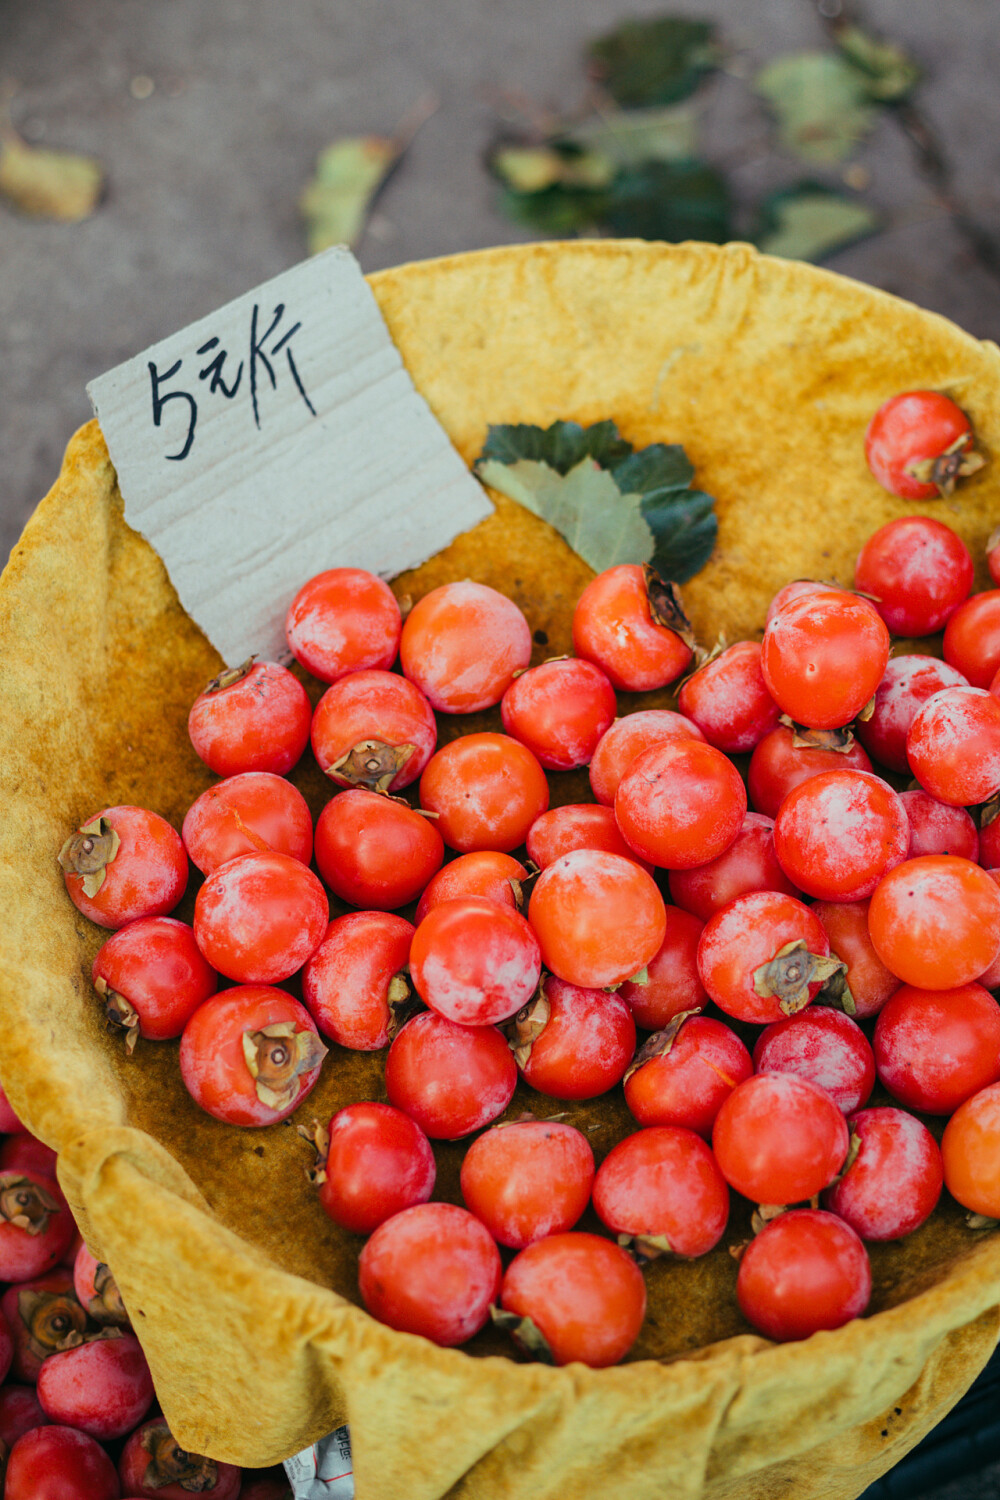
48,184
348,174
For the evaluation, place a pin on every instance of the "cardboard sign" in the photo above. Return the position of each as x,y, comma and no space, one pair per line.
278,437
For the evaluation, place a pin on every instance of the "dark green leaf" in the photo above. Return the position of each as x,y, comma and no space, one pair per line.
821,102
557,211
654,62
669,201
585,506
889,73
810,221
561,446
684,527
660,468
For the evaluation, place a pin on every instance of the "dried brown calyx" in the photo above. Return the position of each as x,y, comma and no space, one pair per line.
119,1012
89,851
318,1137
169,1463
766,1213
837,994
403,1002
840,740
372,764
106,1305
980,1221
277,1056
792,974
525,1333
527,1026
226,678
660,1043
955,463
987,812
646,1247
853,1152
665,607
520,886
52,1321
25,1203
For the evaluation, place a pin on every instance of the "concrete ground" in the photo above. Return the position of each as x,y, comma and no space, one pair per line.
205,168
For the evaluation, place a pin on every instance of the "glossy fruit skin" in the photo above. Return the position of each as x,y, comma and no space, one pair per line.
450,1079
23,1254
577,825
474,961
953,746
487,790
729,701
245,815
20,1411
599,919
260,723
970,1149
41,1314
379,1162
906,686
837,834
936,828
103,1388
846,927
918,571
805,1271
627,738
25,1153
135,1460
823,656
59,1463
749,864
485,872
373,706
936,1048
345,984
989,844
613,627
681,804
908,428
147,876
689,1084
560,710
376,853
972,638
9,1120
212,1058
742,937
794,590
777,765
528,1179
824,1046
895,1182
585,1295
461,644
935,921
672,982
779,1138
158,967
343,620
585,1046
6,1350
434,1270
259,917
97,1291
663,1181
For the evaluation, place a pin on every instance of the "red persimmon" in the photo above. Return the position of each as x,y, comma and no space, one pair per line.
484,872
42,1314
450,1079
837,834
741,960
614,627
585,1295
122,864
475,961
102,1387
462,644
36,1226
869,981
98,1291
343,620
628,738
20,1411
671,979
434,1270
486,789
794,590
250,1055
376,852
560,710
729,701
953,746
749,864
151,977
258,918
918,443
778,764
26,1153
823,656
576,825
935,921
805,1271
374,730
681,804
779,1139
376,1162
598,918
895,1180
824,1046
528,1179
252,718
989,844
59,1463
970,1149
972,638
936,1048
154,1464
577,1042
247,814
347,983
9,1121
906,686
936,828
918,571
663,1185
683,1077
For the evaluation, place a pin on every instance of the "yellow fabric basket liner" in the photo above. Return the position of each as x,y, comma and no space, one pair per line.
243,1293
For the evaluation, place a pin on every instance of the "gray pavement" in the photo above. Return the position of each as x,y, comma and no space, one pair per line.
205,171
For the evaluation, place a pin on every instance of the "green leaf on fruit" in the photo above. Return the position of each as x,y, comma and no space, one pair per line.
822,104
810,221
611,504
889,74
654,62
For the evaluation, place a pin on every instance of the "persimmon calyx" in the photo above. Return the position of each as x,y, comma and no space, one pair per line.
792,973
980,1221
25,1204
403,1002
52,1321
318,1137
229,676
172,1464
106,1305
276,1057
646,1247
372,764
525,1333
527,1026
89,851
840,740
119,1012
666,608
853,1152
837,994
660,1043
956,462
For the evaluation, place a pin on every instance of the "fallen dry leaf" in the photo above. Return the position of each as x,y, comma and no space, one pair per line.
48,184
